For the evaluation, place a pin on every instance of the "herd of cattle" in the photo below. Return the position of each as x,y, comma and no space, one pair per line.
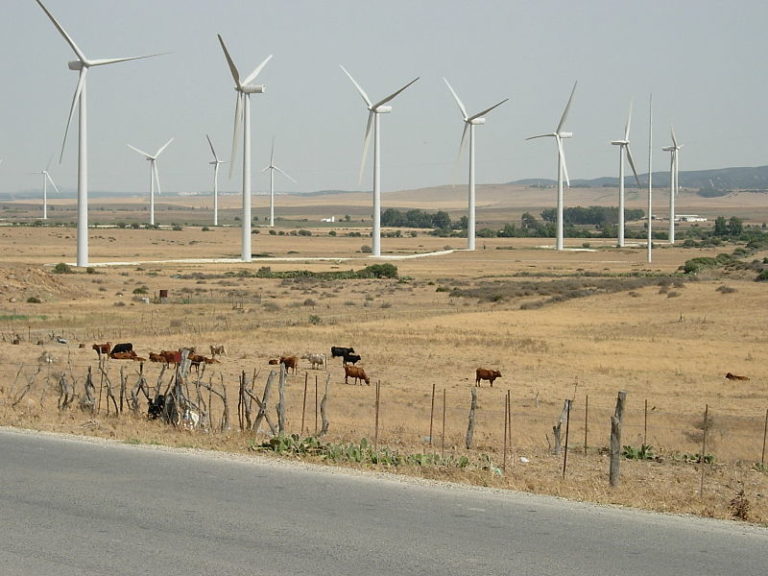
349,359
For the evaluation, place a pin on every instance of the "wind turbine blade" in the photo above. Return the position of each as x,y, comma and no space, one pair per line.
484,112
139,151
47,166
391,96
359,88
256,72
366,140
562,159
632,164
463,139
106,61
567,108
75,100
63,32
284,174
550,135
674,140
232,67
48,176
236,131
272,153
458,100
163,148
629,122
212,150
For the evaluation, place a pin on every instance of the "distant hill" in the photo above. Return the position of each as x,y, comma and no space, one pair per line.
709,182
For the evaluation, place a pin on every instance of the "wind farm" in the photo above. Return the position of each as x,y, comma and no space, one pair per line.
578,269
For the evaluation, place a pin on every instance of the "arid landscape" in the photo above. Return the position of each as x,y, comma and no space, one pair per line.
579,325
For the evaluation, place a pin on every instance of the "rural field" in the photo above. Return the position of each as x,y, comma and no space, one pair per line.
578,325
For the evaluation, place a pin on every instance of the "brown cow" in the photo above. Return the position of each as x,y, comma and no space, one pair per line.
486,374
217,350
197,359
105,348
730,376
131,355
291,362
153,357
356,372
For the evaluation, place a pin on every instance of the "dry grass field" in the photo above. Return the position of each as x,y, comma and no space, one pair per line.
579,325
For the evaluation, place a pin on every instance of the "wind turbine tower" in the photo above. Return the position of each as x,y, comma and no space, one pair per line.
562,169
469,125
46,178
272,168
154,176
624,146
244,90
674,183
215,163
82,65
374,110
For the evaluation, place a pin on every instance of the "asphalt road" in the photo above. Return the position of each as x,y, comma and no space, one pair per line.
81,507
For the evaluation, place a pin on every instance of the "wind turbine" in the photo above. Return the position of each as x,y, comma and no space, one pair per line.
244,90
469,125
272,168
374,110
46,178
154,176
82,65
650,179
674,183
562,169
215,163
624,145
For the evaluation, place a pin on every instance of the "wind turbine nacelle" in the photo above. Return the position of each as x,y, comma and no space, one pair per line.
383,110
75,65
565,134
478,121
257,89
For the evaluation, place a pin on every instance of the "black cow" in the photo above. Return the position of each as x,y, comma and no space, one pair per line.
126,347
351,358
339,351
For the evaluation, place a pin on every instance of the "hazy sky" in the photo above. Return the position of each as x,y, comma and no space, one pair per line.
703,60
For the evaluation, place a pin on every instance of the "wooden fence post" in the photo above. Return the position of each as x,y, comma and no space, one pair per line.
471,424
703,456
281,400
442,448
323,406
586,423
765,433
616,421
567,429
304,403
432,415
506,430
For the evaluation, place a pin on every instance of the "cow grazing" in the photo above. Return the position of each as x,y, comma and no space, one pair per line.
126,356
125,347
274,361
730,376
153,357
105,348
197,359
351,359
315,359
356,372
338,351
171,356
486,374
290,362
217,350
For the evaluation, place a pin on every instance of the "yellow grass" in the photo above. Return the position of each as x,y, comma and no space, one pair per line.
668,345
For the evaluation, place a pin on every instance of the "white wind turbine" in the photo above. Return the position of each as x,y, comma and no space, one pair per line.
154,176
82,65
674,183
272,168
562,169
46,178
244,90
374,109
469,125
624,145
215,163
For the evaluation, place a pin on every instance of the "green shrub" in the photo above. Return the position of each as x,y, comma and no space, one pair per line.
34,300
63,268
